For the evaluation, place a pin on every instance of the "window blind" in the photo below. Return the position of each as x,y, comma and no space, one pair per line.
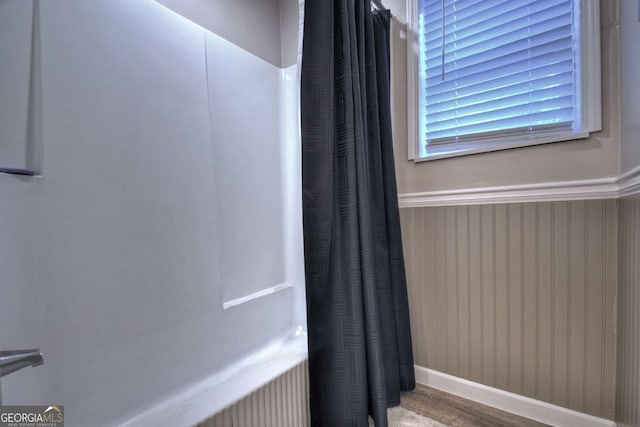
492,67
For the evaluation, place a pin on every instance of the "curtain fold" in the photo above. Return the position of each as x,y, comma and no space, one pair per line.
360,354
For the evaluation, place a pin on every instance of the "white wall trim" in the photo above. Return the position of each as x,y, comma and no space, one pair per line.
587,189
604,188
255,295
629,182
510,402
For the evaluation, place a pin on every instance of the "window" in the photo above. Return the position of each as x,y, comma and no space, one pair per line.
487,75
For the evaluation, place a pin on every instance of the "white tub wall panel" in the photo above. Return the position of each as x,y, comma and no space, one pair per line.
244,93
16,28
20,300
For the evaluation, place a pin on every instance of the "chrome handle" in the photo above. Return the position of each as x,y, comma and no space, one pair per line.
12,361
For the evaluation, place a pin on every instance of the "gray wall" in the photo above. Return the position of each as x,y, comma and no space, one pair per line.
628,386
595,157
628,389
519,296
110,262
488,303
289,30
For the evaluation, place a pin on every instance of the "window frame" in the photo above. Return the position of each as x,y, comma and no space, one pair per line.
588,81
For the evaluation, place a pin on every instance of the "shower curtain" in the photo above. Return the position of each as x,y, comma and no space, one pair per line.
360,355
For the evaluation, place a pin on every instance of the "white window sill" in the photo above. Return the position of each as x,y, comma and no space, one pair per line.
446,151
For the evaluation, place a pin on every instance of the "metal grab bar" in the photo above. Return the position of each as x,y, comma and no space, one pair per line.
12,361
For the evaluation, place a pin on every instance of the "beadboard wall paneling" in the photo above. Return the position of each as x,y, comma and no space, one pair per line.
283,402
518,296
628,383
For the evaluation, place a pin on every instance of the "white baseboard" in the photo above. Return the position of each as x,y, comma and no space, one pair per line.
537,410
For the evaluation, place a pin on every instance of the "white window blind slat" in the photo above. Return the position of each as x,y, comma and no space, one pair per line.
459,38
553,74
561,118
503,50
503,98
463,10
492,13
508,66
504,107
533,60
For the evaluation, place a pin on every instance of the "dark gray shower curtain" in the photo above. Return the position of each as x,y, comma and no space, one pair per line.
360,354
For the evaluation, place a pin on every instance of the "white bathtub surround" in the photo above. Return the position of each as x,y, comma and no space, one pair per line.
115,261
205,398
282,402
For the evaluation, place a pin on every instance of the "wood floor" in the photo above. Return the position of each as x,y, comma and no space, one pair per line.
455,411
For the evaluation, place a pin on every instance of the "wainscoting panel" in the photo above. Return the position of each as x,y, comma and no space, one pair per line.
628,385
284,402
519,297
